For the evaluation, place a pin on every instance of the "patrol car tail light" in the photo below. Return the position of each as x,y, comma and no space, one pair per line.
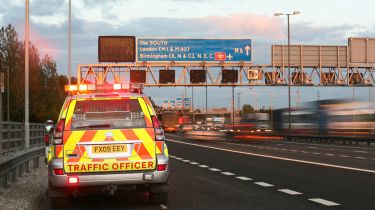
155,121
57,138
162,167
58,171
73,179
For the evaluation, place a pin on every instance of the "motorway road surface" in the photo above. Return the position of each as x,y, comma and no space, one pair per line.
214,173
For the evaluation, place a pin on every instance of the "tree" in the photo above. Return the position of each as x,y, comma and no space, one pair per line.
46,87
247,108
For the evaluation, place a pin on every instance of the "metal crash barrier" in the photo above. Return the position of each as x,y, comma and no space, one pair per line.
15,160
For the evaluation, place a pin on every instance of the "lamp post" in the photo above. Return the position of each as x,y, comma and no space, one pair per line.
27,124
289,79
70,42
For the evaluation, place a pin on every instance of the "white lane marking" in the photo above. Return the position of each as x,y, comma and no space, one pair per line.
263,184
329,154
194,163
163,206
244,178
280,144
305,152
278,158
290,192
313,147
316,153
185,161
284,149
358,151
178,158
324,202
293,150
344,156
203,166
172,156
228,173
362,158
214,169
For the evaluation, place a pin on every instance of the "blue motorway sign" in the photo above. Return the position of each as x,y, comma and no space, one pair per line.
159,49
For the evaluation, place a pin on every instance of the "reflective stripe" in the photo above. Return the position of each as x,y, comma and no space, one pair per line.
145,112
142,151
68,119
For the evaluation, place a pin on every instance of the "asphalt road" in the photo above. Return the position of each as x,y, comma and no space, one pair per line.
212,173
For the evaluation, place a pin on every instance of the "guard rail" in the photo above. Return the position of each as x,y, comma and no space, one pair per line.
15,160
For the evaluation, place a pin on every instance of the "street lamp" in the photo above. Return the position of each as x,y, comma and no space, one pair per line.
289,80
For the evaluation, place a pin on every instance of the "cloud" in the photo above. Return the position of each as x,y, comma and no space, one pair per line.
241,24
50,35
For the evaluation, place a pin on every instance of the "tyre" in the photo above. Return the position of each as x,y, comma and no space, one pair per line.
60,202
159,198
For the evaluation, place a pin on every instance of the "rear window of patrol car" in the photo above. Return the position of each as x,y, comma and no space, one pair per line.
107,114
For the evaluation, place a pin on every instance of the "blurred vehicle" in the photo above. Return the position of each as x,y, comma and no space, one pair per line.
186,127
170,121
327,117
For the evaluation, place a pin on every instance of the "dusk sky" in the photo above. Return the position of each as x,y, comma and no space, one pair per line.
321,22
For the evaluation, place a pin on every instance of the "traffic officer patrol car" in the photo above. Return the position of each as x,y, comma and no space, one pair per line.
107,139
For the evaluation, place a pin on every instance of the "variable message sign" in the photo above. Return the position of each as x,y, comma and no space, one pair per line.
116,49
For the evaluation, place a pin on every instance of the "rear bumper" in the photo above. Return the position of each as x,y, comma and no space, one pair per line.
97,180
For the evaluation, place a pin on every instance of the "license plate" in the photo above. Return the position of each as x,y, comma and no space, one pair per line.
114,148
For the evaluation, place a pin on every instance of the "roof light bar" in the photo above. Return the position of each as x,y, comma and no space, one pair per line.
116,86
82,88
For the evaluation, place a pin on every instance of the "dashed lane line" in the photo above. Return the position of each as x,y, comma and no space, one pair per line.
362,158
329,155
344,156
227,173
264,184
276,157
324,202
244,178
359,151
163,206
290,192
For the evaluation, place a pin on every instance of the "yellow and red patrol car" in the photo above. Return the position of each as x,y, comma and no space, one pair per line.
107,139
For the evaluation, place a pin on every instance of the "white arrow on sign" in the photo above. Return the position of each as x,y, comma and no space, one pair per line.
229,56
247,48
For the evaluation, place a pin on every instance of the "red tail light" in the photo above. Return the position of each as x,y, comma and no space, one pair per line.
46,139
162,167
58,171
57,138
155,121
